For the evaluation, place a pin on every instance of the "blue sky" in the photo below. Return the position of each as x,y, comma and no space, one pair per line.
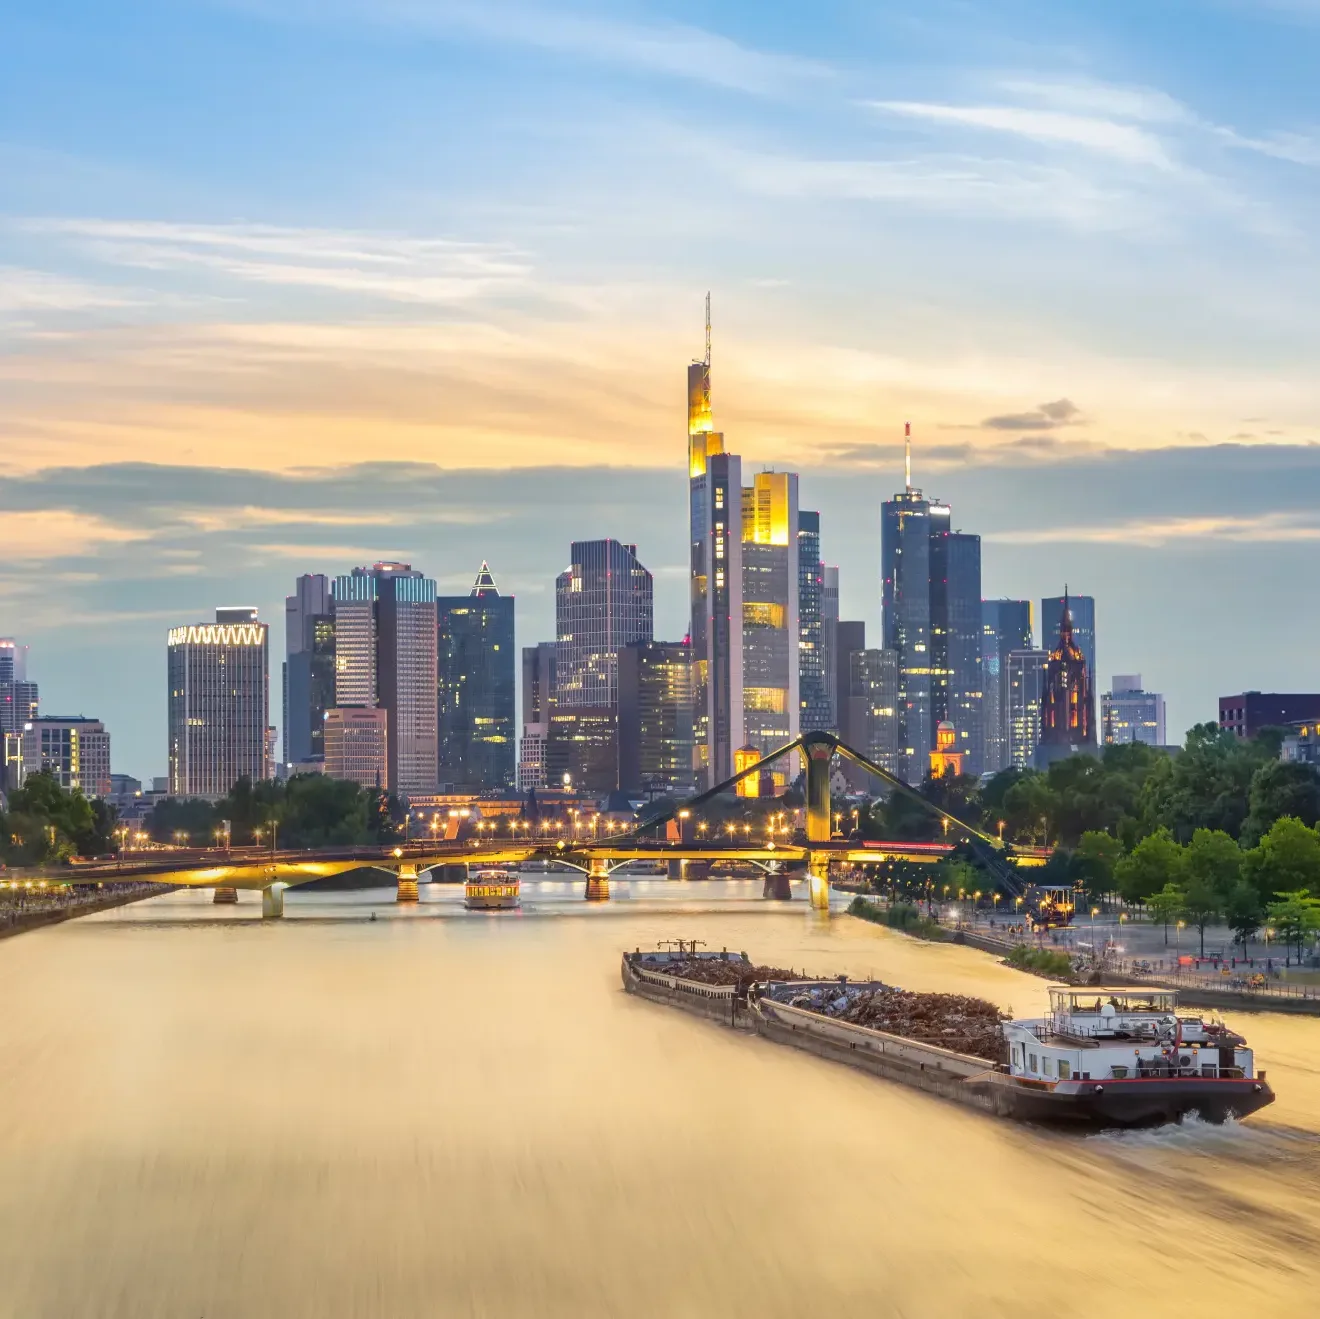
286,286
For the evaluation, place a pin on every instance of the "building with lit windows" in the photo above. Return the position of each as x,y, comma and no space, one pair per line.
873,713
356,741
219,703
813,682
76,750
1130,714
931,597
582,750
603,602
1005,627
1247,713
770,619
1026,700
655,718
385,658
476,673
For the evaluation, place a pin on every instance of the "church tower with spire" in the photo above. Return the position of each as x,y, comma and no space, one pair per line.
1068,709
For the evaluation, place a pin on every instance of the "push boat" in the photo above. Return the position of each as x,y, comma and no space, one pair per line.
492,890
1102,1058
1127,1056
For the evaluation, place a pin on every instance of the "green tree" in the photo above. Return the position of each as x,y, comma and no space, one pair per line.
47,823
319,812
1201,905
1030,807
1155,862
1165,906
1286,859
1213,858
1207,786
1294,915
1094,859
1278,789
191,816
1243,912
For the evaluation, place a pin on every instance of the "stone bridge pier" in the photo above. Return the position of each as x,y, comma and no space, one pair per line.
225,893
407,891
598,880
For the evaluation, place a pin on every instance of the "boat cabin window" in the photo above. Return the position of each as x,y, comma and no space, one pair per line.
1065,1070
1049,1065
1033,1063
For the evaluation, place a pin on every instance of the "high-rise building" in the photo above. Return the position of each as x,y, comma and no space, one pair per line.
538,700
1068,713
76,750
1026,700
813,684
849,711
1081,608
829,611
770,614
1246,714
476,668
1005,627
356,741
873,711
655,718
18,705
932,618
385,657
219,703
309,667
716,578
603,602
1130,714
13,660
582,751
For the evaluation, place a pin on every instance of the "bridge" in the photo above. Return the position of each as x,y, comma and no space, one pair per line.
668,837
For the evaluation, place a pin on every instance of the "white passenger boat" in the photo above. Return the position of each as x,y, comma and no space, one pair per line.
492,890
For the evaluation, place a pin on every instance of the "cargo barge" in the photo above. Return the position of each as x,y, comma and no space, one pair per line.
1100,1058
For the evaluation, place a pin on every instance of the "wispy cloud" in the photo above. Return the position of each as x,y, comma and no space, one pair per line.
672,50
1262,528
23,290
1107,137
395,267
1048,416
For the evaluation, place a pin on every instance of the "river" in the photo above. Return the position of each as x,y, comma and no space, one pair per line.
443,1113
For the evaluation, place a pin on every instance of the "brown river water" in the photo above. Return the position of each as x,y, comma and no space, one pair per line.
445,1113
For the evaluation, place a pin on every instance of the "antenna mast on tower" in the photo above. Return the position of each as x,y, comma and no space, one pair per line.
907,450
707,329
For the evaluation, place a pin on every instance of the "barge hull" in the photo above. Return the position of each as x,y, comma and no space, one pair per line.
1128,1103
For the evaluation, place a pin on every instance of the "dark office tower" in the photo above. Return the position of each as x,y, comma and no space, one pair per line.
602,602
1005,627
309,668
1082,609
385,640
475,685
873,712
932,619
655,718
850,638
1068,713
538,700
813,686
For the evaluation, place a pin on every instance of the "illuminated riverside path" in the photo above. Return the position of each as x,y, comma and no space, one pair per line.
450,1113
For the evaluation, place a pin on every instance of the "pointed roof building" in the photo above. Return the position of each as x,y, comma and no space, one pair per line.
484,587
1068,713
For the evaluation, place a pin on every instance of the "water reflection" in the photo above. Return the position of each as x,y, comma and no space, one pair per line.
442,1112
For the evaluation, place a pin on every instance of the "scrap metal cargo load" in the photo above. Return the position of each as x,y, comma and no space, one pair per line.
964,1048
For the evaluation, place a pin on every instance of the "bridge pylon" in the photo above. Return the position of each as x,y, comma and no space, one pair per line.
272,901
776,884
225,893
407,891
598,880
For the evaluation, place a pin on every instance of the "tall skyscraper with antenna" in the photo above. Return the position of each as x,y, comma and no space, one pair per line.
932,618
715,513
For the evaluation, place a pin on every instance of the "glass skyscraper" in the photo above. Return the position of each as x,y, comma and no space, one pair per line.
476,669
1026,702
655,718
603,601
931,597
1005,627
309,668
813,684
